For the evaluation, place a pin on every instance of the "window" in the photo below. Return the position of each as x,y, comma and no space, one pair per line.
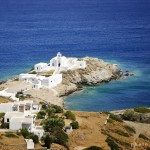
7,119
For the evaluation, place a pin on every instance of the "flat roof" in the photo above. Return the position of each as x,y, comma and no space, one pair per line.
41,64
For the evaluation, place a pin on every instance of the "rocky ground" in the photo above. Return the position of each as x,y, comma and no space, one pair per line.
96,72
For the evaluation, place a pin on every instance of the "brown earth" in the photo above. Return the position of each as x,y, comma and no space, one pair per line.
5,100
8,143
89,132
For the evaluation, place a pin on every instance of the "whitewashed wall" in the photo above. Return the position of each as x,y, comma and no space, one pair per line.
6,107
15,125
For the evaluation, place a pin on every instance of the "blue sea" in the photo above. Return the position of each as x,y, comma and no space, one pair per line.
117,31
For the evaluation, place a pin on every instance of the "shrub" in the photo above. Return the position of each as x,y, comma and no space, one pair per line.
142,109
131,115
93,148
58,109
110,120
41,115
44,106
10,134
112,144
74,124
51,123
50,111
4,125
2,115
115,117
47,141
24,132
70,115
119,141
34,137
120,132
60,137
129,129
143,137
32,72
18,133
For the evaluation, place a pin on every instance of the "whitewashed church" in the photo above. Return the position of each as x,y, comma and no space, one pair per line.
57,64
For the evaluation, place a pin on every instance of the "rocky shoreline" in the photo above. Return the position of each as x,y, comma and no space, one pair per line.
96,73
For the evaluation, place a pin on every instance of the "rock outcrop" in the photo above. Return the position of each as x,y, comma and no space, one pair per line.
96,72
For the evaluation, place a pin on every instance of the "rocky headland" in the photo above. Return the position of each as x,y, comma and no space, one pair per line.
96,72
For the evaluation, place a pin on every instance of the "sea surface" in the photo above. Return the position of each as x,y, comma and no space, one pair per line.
117,31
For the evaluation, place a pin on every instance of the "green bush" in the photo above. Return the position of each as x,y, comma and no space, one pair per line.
29,135
112,144
60,136
52,123
51,112
41,115
129,129
142,109
93,148
110,120
70,115
143,137
74,124
10,134
118,141
131,115
32,72
47,141
122,133
58,109
24,132
2,115
18,133
34,137
115,117
4,125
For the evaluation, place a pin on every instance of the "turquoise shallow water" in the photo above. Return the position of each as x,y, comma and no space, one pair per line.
115,95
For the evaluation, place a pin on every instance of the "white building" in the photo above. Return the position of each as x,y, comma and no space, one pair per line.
64,63
41,81
40,67
30,143
9,95
57,64
60,63
19,120
22,115
38,130
25,106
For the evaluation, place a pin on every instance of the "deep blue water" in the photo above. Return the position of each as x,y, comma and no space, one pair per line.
117,31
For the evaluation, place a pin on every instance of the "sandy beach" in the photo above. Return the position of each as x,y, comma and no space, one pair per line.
39,95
